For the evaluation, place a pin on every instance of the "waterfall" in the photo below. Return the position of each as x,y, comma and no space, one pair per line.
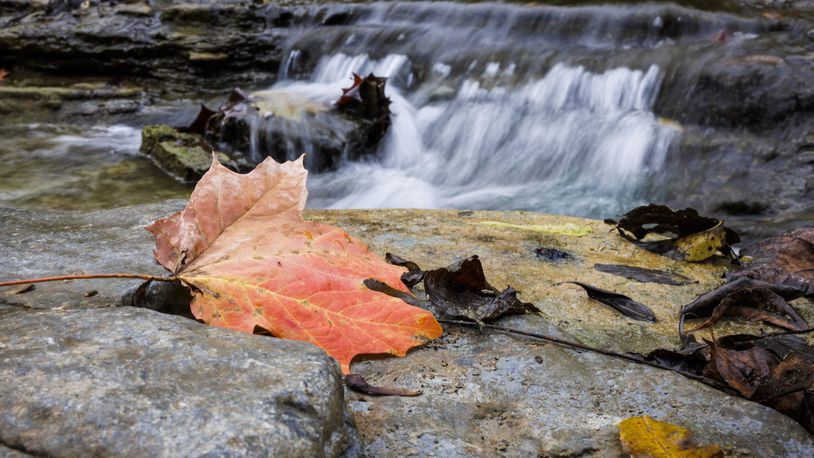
572,141
501,106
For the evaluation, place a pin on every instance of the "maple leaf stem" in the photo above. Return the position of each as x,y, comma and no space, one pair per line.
579,346
86,277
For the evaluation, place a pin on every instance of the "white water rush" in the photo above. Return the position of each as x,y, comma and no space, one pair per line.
572,142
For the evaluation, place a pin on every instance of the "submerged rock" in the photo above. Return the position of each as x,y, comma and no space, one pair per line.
131,382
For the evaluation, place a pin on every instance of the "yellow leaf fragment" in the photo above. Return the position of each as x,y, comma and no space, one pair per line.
703,245
644,437
571,229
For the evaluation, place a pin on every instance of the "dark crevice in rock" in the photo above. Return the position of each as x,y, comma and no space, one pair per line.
23,449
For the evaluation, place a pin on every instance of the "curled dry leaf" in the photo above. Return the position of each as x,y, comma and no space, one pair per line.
643,275
460,291
358,383
777,371
751,299
619,302
757,304
251,260
644,437
786,259
691,237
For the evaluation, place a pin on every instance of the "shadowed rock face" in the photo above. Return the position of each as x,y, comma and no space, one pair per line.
131,382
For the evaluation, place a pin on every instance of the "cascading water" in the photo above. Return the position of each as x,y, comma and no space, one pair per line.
499,106
572,141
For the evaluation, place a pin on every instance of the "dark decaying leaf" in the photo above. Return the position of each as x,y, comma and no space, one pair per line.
691,237
358,383
460,291
643,275
553,254
198,126
757,300
690,362
757,304
777,371
366,97
619,302
24,289
763,368
414,274
786,259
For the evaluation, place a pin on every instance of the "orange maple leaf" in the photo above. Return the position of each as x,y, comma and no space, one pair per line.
3,73
252,260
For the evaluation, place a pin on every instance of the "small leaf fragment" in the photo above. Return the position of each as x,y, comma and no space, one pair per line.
643,275
24,289
619,302
3,74
358,383
645,437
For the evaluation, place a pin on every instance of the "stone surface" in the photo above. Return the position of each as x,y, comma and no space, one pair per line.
497,395
132,382
42,243
483,394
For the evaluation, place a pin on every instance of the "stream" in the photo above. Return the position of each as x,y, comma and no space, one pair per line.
495,106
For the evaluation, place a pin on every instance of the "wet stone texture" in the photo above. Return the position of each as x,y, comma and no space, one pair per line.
492,394
484,394
132,382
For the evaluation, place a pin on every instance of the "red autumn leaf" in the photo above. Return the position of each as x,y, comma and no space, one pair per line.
351,94
252,260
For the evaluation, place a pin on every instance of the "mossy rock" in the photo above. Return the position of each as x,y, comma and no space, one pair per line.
184,156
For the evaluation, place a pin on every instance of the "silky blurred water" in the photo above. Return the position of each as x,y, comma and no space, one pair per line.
572,141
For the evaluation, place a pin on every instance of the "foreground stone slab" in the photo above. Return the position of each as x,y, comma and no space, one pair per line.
484,394
132,382
497,395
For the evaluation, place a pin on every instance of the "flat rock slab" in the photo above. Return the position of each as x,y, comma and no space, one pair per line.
483,394
132,382
498,395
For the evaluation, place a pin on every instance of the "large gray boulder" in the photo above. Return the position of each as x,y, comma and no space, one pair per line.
131,382
489,394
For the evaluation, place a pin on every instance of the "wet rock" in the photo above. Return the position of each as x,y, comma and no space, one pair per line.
158,39
746,84
184,156
497,395
284,126
747,179
484,394
43,243
132,382
35,102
